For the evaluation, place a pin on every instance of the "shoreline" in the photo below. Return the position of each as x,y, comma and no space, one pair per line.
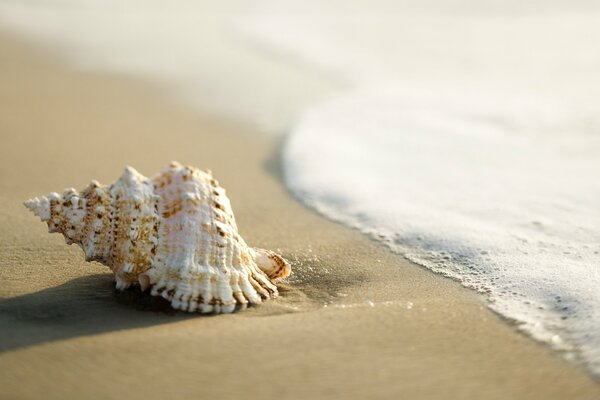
355,320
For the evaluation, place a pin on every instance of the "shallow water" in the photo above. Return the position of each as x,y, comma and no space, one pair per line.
470,144
507,210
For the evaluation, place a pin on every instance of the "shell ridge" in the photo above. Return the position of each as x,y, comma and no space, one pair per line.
219,291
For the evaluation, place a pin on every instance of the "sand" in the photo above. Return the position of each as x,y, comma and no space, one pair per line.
355,321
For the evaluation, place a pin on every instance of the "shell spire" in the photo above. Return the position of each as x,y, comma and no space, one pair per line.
174,234
39,206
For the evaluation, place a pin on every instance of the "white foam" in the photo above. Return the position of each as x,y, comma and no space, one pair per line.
497,198
471,146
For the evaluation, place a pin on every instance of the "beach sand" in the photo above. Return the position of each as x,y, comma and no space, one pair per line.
354,321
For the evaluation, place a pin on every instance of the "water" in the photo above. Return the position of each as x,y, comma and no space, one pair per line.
467,136
502,201
469,143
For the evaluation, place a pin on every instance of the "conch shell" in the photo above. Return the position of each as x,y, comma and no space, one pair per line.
174,233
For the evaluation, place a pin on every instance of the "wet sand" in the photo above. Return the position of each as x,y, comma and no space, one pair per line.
354,321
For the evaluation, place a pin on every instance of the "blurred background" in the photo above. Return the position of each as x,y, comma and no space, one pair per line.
464,135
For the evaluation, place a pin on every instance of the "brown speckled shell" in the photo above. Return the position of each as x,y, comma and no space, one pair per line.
174,233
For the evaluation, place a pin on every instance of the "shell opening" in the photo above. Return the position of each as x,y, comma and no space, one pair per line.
272,264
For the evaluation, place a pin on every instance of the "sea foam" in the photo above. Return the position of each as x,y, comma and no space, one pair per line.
470,144
503,201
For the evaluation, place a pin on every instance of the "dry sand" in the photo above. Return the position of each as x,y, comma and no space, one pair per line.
354,321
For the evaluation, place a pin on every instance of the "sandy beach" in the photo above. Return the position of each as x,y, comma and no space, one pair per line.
354,321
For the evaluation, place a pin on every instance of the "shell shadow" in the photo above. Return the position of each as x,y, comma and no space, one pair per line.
91,305
84,306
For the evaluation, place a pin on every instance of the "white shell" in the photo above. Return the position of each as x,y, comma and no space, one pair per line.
174,233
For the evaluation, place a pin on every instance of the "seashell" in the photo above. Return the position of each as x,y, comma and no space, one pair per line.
174,233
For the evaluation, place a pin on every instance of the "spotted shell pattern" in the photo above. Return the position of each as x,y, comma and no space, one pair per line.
174,233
